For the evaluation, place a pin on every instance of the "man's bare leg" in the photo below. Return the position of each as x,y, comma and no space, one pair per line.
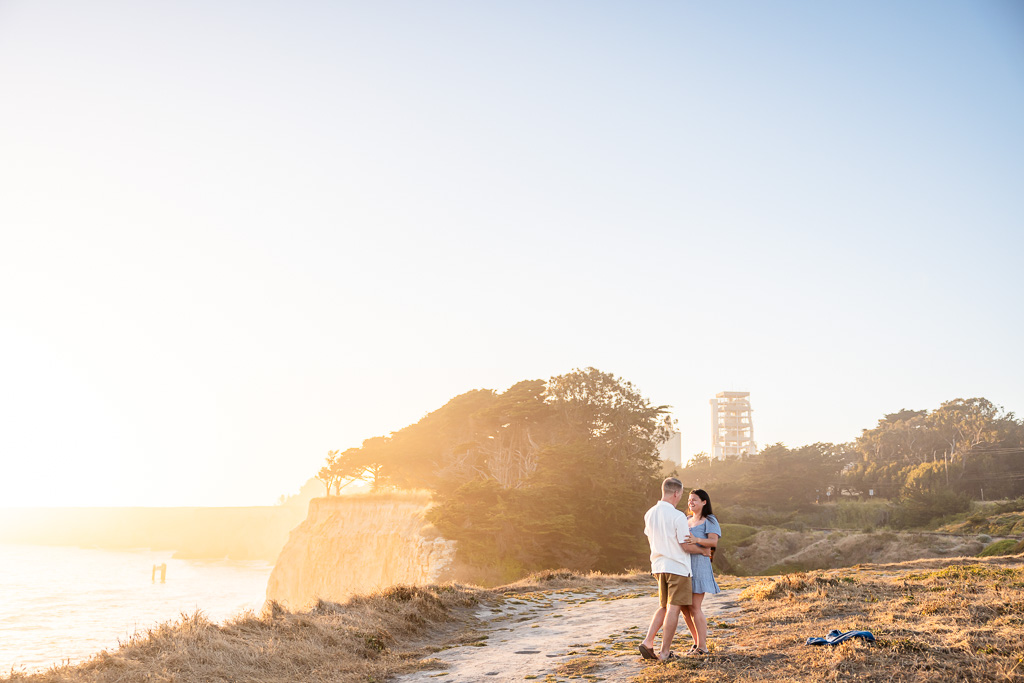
656,621
669,630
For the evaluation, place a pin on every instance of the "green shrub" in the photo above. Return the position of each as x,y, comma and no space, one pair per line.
1005,547
734,534
921,509
850,514
1016,505
753,516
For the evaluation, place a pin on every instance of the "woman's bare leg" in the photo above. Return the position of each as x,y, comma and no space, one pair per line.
700,623
690,626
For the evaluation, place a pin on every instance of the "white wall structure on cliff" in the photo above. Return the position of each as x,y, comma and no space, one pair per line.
356,544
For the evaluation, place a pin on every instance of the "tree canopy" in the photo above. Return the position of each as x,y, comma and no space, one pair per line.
929,460
558,473
545,474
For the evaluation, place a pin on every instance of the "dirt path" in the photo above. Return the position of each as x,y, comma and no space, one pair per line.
529,636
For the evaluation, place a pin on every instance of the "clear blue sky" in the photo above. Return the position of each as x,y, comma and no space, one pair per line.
237,235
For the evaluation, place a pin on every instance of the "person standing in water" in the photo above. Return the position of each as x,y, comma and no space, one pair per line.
704,531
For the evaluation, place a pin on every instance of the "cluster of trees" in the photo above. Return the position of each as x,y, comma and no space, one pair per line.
929,461
777,477
552,473
557,473
969,446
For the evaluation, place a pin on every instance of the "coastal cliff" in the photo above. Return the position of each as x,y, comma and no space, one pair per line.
356,544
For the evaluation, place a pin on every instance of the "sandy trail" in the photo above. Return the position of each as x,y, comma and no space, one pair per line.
528,636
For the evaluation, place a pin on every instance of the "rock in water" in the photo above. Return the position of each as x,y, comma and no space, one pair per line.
356,544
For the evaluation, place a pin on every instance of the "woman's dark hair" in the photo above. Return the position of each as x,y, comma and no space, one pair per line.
703,495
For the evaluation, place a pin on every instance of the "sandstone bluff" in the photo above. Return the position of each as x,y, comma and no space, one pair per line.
350,545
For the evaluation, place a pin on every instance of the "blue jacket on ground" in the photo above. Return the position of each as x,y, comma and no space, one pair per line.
836,637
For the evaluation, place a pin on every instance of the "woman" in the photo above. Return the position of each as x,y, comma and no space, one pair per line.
704,532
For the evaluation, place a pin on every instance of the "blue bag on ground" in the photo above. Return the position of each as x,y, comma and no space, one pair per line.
836,637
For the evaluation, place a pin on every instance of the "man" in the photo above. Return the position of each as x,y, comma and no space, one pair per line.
666,528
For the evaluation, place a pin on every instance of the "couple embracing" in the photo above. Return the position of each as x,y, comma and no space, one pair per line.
681,561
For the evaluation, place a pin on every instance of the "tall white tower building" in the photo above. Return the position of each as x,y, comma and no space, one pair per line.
732,429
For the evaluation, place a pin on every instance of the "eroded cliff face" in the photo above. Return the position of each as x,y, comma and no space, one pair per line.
357,544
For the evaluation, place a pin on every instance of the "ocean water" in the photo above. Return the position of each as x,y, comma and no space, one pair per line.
62,604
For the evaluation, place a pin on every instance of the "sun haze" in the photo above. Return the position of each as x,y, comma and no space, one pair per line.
235,237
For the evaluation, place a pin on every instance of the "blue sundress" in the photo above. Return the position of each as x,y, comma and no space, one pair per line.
700,566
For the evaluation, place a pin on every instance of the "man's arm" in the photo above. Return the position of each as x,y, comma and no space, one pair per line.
706,546
694,549
686,541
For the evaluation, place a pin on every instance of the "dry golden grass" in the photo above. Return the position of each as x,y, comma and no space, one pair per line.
366,639
577,667
778,551
556,579
935,620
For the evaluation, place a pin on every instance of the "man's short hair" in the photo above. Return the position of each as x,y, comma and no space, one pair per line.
671,486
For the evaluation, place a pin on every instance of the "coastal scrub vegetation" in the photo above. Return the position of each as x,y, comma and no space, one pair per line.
556,473
922,465
546,474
